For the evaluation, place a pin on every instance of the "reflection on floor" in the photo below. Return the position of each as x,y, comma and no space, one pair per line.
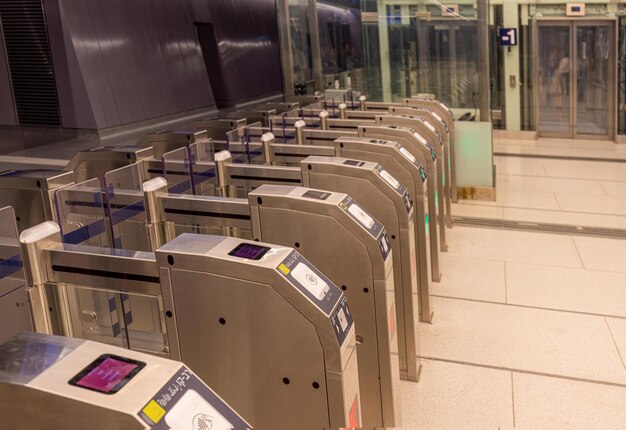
572,192
530,327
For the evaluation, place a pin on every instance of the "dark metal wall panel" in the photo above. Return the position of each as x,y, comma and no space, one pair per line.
201,10
7,110
29,62
136,60
77,110
249,50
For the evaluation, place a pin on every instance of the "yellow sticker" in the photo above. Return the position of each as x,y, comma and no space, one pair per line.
154,411
284,269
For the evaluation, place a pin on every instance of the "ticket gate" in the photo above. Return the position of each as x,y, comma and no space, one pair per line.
169,140
424,125
279,107
262,115
427,130
449,151
168,215
56,382
365,273
217,128
392,157
427,156
448,118
15,315
364,180
31,194
364,109
258,323
405,168
390,154
94,163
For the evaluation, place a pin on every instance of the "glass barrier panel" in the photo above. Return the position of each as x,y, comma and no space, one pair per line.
178,228
127,212
15,316
81,214
244,144
203,168
177,171
10,258
132,321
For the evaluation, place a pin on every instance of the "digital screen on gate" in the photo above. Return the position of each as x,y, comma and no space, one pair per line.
249,251
108,374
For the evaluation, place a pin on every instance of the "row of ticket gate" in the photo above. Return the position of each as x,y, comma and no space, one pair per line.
286,264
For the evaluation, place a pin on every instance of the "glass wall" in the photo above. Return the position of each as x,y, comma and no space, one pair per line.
388,51
622,74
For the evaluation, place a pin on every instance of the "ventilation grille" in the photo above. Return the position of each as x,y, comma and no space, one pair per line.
30,62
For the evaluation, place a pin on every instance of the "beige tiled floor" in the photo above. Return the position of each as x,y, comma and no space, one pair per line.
525,339
561,147
529,328
481,398
576,290
555,403
515,246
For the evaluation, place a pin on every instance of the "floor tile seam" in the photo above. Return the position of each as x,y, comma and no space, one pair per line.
580,257
611,272
506,286
500,206
558,202
516,189
605,190
619,354
524,371
491,204
587,179
595,181
518,305
615,158
526,175
548,211
555,154
530,223
521,262
513,398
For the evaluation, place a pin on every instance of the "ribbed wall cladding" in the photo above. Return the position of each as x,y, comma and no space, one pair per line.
30,62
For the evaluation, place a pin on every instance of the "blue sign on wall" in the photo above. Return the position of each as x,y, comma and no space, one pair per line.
507,37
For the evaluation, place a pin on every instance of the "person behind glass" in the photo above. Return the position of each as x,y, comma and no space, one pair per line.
561,82
349,56
562,76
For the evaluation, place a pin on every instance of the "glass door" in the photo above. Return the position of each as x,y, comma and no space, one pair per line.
576,79
594,79
553,80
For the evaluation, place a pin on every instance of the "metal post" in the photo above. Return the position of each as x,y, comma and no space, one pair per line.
33,242
324,120
267,139
362,100
483,60
299,126
158,233
342,111
222,160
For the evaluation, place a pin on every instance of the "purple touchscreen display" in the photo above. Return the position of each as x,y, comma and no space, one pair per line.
106,375
249,251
